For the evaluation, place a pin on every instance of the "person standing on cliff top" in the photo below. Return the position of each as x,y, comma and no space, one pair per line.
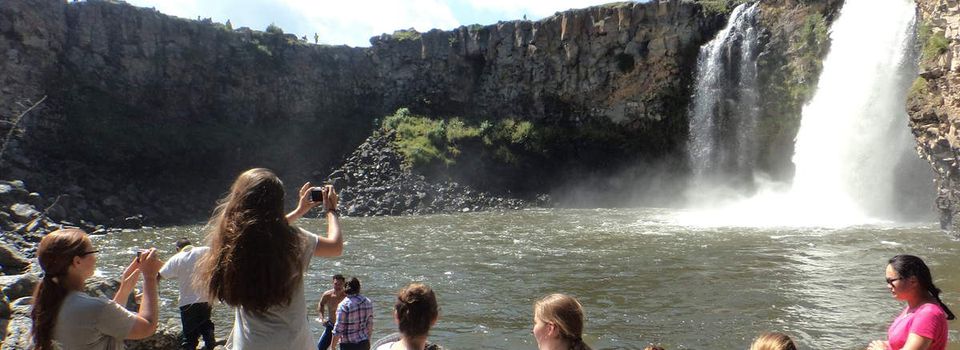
195,309
329,301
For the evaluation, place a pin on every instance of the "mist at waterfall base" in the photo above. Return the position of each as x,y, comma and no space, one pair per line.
854,155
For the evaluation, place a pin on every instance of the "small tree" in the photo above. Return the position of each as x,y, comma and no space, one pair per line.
229,25
273,29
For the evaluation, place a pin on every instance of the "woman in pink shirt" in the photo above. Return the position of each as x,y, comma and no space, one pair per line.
923,323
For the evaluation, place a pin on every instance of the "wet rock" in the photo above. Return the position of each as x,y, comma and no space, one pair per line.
132,222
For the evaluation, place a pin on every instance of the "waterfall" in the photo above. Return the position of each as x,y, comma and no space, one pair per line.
853,144
723,115
853,134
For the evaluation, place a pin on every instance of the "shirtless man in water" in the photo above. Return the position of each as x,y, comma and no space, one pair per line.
329,301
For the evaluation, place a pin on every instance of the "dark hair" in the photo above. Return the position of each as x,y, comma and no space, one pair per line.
908,266
182,242
353,286
567,313
255,255
55,254
339,277
416,309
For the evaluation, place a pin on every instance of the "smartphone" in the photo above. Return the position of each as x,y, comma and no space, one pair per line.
138,255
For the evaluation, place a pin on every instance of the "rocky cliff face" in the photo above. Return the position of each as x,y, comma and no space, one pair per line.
934,99
153,114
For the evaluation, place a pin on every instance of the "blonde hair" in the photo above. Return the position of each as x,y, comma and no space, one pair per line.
773,341
565,312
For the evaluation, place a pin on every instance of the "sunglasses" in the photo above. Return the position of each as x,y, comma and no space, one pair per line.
891,280
88,253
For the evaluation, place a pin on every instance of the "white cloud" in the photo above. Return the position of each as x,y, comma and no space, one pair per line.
354,22
343,21
534,9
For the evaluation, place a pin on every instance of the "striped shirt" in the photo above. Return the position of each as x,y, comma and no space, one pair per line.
354,319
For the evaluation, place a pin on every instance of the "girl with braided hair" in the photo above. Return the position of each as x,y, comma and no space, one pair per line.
923,323
558,323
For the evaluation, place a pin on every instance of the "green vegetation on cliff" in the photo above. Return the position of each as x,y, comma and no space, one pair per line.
423,141
934,44
510,153
788,75
714,7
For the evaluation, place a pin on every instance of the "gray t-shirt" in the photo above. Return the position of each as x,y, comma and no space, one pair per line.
90,323
281,327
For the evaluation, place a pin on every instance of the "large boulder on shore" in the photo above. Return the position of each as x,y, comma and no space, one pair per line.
18,329
11,261
18,286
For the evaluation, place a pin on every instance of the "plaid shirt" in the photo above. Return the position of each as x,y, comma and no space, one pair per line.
354,319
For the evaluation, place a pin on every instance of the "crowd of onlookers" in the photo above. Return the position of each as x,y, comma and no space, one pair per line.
255,261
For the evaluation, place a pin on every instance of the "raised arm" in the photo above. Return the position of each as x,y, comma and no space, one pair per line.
303,205
148,315
332,244
128,280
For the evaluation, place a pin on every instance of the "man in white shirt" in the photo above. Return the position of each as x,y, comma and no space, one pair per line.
195,309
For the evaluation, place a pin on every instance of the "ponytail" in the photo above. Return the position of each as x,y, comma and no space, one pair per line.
47,299
936,294
578,344
55,254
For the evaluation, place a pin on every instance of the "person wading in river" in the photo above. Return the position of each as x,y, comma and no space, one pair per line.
329,301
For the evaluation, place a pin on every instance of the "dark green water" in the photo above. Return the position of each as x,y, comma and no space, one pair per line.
642,277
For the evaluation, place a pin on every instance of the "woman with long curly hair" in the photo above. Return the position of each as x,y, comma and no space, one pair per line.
257,260
64,314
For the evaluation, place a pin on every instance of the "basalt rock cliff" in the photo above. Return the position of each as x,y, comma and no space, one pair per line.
152,114
934,99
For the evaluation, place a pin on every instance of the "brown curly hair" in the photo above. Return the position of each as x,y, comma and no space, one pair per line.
254,259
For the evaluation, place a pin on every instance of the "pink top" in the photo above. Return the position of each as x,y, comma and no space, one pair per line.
928,321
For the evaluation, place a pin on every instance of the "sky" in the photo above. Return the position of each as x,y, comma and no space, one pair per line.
352,22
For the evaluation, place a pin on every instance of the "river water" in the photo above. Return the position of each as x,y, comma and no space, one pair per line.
642,276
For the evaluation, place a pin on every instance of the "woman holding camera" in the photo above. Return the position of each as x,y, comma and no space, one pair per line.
923,323
62,312
257,260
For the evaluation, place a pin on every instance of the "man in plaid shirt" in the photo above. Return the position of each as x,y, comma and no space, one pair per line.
354,319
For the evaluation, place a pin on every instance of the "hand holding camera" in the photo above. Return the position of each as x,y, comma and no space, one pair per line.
325,194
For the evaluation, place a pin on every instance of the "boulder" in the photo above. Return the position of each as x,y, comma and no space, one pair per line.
106,288
18,329
166,337
23,212
18,286
11,261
